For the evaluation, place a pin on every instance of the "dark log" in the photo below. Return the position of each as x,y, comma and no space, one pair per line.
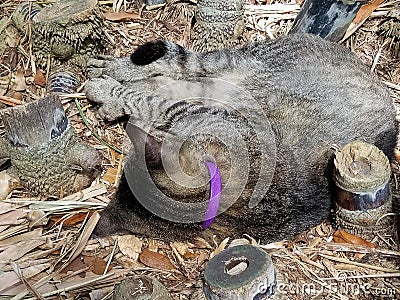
240,272
328,19
45,151
363,196
140,288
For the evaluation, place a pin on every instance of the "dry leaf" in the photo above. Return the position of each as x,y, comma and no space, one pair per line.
9,279
366,10
155,260
18,250
96,264
341,236
40,79
34,234
120,16
36,218
111,175
153,245
4,84
130,246
76,265
221,247
182,248
189,254
72,220
202,243
12,217
6,184
19,81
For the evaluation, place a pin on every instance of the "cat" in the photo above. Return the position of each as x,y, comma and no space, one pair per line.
268,115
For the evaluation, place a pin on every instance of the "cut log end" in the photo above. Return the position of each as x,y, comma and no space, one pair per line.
240,272
140,288
363,197
361,167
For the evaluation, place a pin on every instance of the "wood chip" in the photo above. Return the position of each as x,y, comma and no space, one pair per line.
130,246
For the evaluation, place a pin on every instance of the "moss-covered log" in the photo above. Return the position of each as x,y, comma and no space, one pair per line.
45,151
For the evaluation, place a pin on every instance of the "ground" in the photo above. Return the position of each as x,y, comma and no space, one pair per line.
45,246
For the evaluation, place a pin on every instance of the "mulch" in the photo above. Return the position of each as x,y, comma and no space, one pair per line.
45,246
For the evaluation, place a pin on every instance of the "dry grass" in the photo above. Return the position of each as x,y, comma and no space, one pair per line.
45,250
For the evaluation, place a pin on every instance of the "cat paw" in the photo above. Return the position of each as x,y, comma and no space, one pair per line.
120,69
101,91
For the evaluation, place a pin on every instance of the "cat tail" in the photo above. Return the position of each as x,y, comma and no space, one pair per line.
155,50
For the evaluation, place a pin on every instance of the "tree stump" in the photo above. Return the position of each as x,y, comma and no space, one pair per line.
68,31
140,288
219,24
240,272
46,153
363,197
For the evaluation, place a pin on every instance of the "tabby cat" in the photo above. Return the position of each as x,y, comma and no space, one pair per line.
268,115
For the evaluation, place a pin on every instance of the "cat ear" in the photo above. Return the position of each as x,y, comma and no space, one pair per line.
149,52
151,143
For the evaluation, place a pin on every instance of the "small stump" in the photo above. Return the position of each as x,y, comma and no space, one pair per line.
240,272
46,153
363,197
140,288
68,31
219,24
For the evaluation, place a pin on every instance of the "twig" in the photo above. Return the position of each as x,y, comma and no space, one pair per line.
342,260
10,101
91,130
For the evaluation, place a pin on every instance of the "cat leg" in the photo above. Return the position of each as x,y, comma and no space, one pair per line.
119,68
108,93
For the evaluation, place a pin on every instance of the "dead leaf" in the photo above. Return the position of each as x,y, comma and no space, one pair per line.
120,16
7,183
76,265
96,264
155,260
189,254
37,217
12,217
130,246
19,81
9,279
221,247
72,220
366,10
40,79
341,236
182,248
18,250
4,84
34,234
111,175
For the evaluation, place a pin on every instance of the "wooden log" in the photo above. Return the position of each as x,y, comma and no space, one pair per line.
363,197
45,151
328,19
240,272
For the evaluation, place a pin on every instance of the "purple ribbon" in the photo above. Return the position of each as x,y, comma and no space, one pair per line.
215,194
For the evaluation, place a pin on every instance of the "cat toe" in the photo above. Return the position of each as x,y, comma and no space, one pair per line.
94,91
